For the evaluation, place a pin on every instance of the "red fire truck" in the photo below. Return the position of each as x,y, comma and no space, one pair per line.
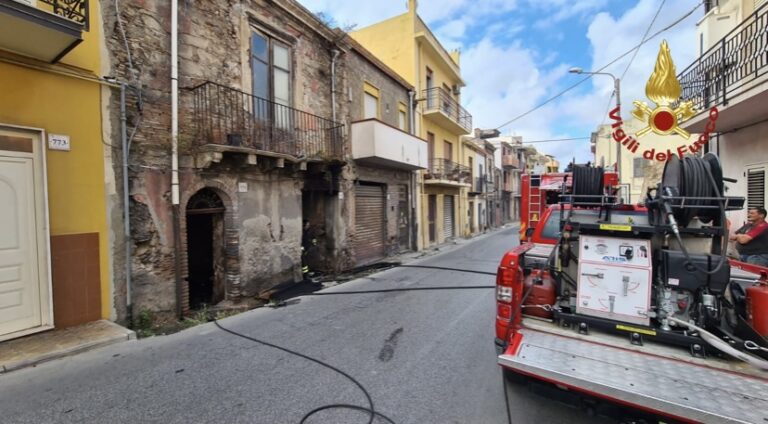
539,191
638,305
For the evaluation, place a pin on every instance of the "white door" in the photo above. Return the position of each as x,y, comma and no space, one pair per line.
23,282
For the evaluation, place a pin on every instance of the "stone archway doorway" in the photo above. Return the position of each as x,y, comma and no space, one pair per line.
205,248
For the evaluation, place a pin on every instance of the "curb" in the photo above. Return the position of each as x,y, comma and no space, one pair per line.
24,363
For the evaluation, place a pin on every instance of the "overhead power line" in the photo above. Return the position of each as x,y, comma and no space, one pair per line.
632,59
642,40
556,139
571,87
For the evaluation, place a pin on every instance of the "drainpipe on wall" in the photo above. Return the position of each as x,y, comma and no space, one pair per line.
335,55
127,205
175,150
413,180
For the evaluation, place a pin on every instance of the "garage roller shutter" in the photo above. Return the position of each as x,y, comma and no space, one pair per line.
448,219
370,221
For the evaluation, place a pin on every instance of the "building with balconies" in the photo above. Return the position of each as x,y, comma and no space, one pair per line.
262,149
478,154
513,156
406,44
731,74
53,200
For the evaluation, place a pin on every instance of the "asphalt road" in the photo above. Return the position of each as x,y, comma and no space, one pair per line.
424,357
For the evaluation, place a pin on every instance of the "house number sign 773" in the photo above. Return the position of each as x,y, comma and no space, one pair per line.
58,142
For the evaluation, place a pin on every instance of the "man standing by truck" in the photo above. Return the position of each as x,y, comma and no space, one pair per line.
752,239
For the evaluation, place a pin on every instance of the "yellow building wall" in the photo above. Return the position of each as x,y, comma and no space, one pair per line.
64,105
391,41
440,70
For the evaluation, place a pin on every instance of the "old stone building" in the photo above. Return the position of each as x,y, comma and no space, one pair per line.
260,150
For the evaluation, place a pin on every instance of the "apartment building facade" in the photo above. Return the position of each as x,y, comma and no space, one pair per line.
406,44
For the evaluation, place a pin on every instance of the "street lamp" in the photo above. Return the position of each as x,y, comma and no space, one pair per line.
616,87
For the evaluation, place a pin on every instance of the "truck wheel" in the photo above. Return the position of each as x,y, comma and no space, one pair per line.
514,377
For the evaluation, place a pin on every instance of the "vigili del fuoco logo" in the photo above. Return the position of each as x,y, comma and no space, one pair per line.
663,89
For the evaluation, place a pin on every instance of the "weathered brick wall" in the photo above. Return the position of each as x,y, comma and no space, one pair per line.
359,71
214,37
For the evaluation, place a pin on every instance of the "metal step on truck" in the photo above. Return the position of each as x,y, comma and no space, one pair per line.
639,305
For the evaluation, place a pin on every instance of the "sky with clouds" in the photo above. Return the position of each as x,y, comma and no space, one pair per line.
515,54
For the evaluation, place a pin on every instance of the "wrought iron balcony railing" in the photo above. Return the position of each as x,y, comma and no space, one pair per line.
228,116
444,169
438,99
731,67
75,10
481,185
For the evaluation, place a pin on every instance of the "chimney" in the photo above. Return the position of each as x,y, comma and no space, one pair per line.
412,5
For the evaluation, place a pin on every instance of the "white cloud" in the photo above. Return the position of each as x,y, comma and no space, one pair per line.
451,33
499,90
611,37
561,10
506,78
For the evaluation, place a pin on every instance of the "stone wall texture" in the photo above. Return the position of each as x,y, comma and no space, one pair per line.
265,220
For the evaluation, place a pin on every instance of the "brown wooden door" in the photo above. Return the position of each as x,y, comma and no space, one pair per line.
430,145
403,221
432,217
447,150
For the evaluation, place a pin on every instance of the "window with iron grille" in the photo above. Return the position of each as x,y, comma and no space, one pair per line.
756,182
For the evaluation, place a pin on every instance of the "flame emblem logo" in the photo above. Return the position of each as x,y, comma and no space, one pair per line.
663,88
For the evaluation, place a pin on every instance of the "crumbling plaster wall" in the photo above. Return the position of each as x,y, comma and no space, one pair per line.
213,46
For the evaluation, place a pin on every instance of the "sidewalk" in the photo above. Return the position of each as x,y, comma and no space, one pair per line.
36,348
449,245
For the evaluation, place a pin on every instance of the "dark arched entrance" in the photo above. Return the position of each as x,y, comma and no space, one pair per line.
205,241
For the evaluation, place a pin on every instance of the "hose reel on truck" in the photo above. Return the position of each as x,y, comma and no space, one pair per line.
659,274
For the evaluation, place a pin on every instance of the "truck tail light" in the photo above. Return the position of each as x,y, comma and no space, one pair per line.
504,294
505,276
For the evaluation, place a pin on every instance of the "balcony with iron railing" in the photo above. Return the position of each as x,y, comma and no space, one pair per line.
42,29
480,185
230,119
438,104
510,161
731,76
448,173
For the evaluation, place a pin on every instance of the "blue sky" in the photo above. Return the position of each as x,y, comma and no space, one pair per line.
516,54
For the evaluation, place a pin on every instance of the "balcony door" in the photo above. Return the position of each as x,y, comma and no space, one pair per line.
430,86
271,74
447,150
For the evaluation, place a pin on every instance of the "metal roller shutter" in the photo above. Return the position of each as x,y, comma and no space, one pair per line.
370,221
448,231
